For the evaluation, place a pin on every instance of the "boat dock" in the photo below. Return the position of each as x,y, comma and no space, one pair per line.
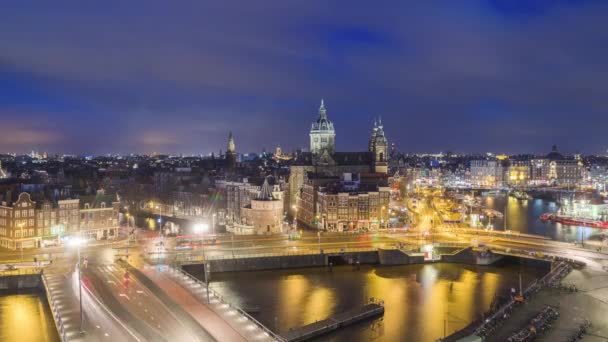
371,310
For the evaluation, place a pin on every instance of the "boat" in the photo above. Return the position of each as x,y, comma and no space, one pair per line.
572,221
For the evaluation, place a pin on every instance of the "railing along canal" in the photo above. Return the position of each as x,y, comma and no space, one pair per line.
55,310
232,306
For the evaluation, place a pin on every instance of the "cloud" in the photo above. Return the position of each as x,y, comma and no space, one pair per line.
439,75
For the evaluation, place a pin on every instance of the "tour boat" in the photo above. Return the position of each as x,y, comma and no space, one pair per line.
572,221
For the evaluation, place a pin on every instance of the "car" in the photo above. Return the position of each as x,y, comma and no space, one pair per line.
11,267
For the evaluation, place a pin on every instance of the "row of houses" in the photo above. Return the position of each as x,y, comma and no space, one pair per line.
26,223
553,169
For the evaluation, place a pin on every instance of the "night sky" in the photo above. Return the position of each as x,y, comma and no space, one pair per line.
176,76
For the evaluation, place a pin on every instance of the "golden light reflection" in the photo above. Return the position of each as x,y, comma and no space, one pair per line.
320,305
24,318
293,290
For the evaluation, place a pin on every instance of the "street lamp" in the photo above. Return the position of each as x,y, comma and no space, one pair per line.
77,242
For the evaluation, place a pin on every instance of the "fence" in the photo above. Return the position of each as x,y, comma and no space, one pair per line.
55,310
223,301
229,255
21,271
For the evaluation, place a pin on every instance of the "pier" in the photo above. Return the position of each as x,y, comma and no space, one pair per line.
307,332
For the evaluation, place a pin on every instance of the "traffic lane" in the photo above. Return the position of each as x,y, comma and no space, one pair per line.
106,295
98,324
139,299
550,249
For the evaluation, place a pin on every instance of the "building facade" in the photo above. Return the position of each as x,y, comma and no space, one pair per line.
265,212
487,173
555,169
347,203
25,223
324,160
322,133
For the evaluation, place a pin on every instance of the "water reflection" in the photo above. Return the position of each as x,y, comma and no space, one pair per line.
523,216
26,317
418,297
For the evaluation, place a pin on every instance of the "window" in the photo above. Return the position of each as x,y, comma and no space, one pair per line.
17,213
31,212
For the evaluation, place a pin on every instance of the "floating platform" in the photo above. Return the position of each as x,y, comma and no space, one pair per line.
335,322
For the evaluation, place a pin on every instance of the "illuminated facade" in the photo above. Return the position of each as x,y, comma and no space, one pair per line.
264,214
487,173
322,133
28,224
324,160
555,169
345,203
518,173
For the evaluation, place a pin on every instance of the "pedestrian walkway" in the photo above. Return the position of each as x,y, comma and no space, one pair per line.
99,323
223,321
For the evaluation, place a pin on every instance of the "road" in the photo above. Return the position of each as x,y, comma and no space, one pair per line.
133,302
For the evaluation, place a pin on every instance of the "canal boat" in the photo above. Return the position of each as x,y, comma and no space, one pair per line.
573,221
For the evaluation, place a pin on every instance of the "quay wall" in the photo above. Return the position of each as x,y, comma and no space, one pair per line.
20,282
381,256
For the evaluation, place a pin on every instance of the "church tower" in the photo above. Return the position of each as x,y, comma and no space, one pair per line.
378,145
322,133
231,152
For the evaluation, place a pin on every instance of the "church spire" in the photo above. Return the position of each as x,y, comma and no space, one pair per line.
265,192
231,146
322,110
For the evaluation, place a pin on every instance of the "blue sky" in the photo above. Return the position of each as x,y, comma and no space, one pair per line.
144,76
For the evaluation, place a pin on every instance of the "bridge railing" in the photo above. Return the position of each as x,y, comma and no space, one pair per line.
55,310
20,271
228,254
533,287
222,300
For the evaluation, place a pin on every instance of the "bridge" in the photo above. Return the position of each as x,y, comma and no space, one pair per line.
153,298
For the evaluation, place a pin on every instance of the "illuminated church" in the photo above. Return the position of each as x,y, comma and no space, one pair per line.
323,160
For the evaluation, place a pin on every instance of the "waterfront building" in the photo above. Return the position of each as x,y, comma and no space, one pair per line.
555,169
518,173
352,202
487,173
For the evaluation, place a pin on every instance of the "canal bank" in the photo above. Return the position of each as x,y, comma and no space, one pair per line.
417,297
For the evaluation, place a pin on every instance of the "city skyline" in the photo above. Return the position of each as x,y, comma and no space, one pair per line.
471,77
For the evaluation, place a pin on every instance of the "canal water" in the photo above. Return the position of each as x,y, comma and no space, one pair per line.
26,317
523,216
418,298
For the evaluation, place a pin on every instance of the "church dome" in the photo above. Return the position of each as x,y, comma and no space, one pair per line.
322,123
554,154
